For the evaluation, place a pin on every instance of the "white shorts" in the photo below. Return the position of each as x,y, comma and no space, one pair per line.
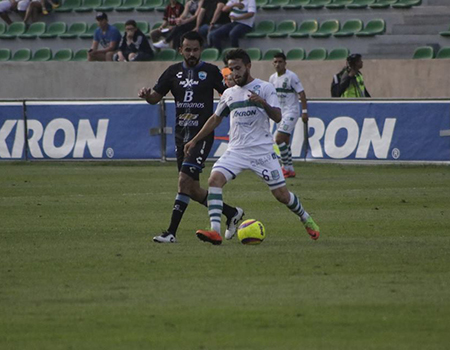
288,122
266,166
5,6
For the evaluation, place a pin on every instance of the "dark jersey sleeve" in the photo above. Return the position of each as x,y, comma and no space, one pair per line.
164,83
219,85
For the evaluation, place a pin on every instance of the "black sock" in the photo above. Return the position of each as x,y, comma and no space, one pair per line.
228,211
179,207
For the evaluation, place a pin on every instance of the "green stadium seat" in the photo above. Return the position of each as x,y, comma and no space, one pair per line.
80,55
284,28
318,54
13,31
443,53
166,55
63,55
295,4
89,33
2,27
34,30
129,5
274,4
305,29
262,29
74,31
68,6
5,55
143,26
382,4
338,54
316,4
54,30
225,52
88,6
42,55
360,4
162,7
445,33
210,55
108,5
404,4
327,29
21,55
260,3
120,26
268,55
423,53
373,27
350,27
254,53
297,54
338,4
149,5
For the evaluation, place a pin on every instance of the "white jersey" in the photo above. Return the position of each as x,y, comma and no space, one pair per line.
288,86
249,122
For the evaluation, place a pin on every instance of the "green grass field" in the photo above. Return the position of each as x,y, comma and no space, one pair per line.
78,268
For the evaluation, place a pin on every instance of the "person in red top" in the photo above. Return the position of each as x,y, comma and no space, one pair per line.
173,10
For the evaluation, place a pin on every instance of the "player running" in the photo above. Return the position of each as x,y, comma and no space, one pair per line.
250,104
192,83
287,85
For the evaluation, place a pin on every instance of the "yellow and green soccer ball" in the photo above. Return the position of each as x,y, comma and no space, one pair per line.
251,232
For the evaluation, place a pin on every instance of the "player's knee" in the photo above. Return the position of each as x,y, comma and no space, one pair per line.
217,179
281,138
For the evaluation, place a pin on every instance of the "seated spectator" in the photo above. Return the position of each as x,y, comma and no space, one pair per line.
37,7
211,17
185,23
173,10
7,6
134,46
242,16
107,36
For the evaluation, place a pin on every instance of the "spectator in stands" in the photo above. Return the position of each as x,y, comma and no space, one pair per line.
211,17
173,10
185,23
242,16
352,82
7,6
134,46
107,36
37,7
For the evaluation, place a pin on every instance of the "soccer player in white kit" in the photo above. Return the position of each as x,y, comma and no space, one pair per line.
289,89
250,104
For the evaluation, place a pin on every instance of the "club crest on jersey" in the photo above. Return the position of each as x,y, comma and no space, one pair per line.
202,75
257,89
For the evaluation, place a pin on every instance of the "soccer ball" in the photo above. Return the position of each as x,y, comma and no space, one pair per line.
251,232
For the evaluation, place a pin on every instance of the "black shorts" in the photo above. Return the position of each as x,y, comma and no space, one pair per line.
193,164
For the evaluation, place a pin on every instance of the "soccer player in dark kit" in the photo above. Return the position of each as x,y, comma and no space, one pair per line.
192,83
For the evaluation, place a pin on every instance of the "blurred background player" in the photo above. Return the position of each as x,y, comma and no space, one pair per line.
289,90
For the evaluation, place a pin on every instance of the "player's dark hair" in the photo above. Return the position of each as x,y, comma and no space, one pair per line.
280,55
131,22
239,54
193,35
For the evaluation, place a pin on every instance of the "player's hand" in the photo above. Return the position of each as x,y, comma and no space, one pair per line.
144,93
256,98
188,147
305,117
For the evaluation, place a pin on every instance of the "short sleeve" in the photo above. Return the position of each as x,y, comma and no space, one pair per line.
218,81
222,109
97,35
251,6
271,96
164,83
296,84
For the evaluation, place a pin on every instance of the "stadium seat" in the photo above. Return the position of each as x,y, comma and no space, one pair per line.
68,6
13,31
210,55
129,5
351,27
225,52
2,27
316,4
22,55
254,53
5,55
166,55
149,5
305,29
34,30
80,55
120,26
143,26
74,31
260,3
54,30
444,53
63,55
403,4
42,55
295,4
274,4
318,54
162,7
360,4
338,4
284,28
262,29
88,6
296,54
423,53
373,27
327,28
268,55
89,33
445,33
108,5
338,54
382,4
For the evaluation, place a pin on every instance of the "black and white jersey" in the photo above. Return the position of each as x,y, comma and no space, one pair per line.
193,89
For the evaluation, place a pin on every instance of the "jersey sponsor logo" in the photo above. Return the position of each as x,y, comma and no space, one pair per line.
179,75
202,75
244,113
261,161
188,83
188,119
190,105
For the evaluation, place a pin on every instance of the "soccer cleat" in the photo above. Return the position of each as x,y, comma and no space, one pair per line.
312,228
165,237
161,44
212,237
232,224
288,173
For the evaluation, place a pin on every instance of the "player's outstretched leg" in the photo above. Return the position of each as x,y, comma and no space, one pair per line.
165,237
232,223
179,207
297,208
215,208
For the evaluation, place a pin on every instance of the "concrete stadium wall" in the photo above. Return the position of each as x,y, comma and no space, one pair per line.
48,80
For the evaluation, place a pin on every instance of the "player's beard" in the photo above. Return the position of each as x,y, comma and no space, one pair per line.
192,61
242,81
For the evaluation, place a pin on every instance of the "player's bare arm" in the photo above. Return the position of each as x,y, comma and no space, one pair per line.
208,128
151,97
274,113
302,97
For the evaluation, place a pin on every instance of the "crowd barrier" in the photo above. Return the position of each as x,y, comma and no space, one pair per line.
338,130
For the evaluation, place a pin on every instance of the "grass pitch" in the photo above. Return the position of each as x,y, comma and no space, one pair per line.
78,269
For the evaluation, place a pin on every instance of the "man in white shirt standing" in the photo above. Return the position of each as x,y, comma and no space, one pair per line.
289,90
250,104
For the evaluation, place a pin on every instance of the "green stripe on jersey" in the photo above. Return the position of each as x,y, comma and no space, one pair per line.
285,90
242,104
225,112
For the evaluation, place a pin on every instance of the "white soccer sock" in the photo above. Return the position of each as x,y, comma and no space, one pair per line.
215,207
296,207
